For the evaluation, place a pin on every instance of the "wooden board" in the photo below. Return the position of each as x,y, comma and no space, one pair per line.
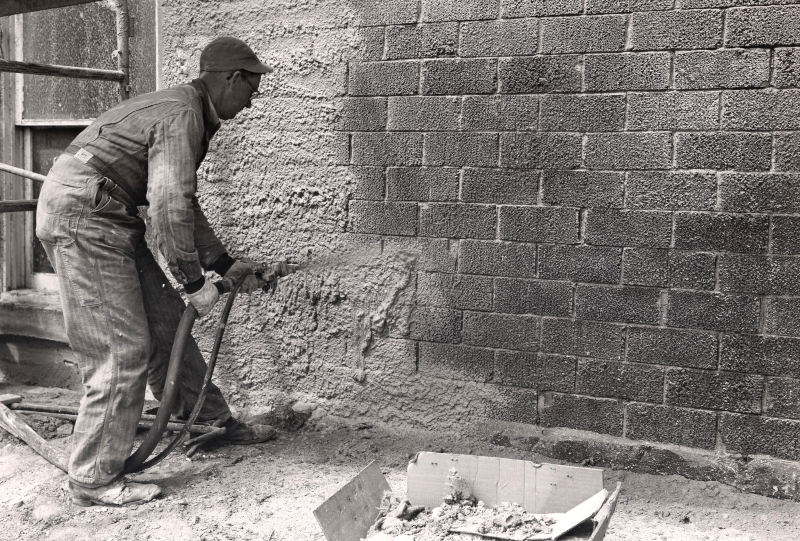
539,488
349,514
603,516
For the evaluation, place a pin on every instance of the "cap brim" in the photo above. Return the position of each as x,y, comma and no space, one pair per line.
259,67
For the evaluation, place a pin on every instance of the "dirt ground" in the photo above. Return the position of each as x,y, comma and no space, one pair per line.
268,491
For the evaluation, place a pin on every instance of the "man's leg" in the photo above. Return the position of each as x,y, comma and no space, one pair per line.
164,307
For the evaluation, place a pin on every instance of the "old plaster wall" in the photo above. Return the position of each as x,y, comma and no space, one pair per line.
578,214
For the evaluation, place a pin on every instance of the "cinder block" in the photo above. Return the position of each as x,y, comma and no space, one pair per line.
461,149
786,235
669,268
611,227
763,110
580,263
472,76
759,274
628,150
387,149
421,41
721,232
666,424
626,304
454,291
422,183
583,189
458,10
500,186
589,34
499,38
713,311
729,391
514,405
575,112
535,370
729,68
763,26
539,8
501,331
424,113
539,224
381,218
362,114
534,297
383,12
338,151
498,259
383,78
758,435
434,255
628,71
515,113
369,182
654,190
581,413
764,355
695,29
583,338
782,316
620,380
673,111
371,43
626,6
760,193
456,220
723,151
540,74
782,398
787,151
673,347
456,362
540,150
787,68
435,324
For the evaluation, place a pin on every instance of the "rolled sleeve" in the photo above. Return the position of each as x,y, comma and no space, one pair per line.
174,146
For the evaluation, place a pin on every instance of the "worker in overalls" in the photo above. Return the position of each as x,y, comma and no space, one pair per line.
121,312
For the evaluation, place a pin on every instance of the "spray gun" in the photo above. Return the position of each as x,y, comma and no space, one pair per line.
268,275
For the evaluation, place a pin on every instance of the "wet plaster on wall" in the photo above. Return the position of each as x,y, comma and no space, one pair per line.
275,185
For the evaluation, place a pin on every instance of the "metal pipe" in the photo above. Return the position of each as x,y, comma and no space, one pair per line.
22,172
33,68
175,427
18,205
123,47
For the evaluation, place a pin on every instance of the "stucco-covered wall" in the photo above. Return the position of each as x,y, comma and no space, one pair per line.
577,214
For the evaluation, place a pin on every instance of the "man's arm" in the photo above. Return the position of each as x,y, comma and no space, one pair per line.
209,249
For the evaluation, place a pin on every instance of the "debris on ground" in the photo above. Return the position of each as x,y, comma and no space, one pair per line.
460,513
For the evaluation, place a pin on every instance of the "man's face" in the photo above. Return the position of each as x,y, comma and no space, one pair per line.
240,88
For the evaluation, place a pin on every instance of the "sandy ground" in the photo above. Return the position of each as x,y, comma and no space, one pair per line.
268,491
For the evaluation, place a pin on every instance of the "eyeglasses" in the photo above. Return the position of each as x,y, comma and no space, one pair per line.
254,92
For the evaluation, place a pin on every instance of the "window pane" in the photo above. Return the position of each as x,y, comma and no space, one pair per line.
48,144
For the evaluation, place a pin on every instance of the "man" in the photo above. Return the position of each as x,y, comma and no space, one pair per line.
121,312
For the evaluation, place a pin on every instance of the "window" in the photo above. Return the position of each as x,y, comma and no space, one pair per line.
41,115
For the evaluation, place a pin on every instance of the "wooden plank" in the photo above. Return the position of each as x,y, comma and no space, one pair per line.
560,488
603,517
349,514
36,314
61,71
8,399
22,172
512,481
20,205
19,428
13,7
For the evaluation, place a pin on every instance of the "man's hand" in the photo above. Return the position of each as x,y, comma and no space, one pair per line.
204,299
243,266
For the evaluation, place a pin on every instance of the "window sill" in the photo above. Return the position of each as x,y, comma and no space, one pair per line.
35,313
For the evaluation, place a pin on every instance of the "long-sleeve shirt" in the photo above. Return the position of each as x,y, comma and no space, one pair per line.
151,146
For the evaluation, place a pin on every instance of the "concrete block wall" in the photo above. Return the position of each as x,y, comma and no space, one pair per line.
616,184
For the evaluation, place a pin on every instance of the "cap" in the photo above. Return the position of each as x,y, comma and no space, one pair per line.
231,54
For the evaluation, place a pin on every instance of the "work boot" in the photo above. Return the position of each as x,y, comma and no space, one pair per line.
120,492
239,433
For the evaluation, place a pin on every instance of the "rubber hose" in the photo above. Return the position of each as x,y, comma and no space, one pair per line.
138,460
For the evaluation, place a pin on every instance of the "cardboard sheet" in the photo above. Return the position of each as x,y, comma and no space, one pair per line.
540,488
349,514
